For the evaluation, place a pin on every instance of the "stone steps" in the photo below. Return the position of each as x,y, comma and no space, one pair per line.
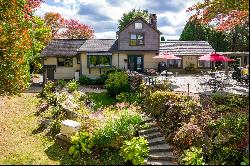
156,141
157,162
162,156
160,148
153,135
148,131
147,119
160,153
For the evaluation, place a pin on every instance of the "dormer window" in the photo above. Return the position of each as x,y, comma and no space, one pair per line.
136,39
138,25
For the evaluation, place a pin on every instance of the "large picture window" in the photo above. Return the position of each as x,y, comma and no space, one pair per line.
174,63
136,39
65,62
99,61
204,64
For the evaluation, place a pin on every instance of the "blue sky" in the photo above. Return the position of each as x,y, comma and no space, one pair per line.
103,15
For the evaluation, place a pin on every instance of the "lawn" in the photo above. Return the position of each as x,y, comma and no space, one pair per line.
101,99
22,142
19,144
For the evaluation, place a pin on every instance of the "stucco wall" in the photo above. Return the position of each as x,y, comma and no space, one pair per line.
188,60
94,72
63,72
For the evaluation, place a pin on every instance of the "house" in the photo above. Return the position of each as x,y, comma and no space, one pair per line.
134,49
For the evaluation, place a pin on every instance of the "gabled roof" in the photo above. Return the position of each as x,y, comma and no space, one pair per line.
181,48
99,45
62,47
142,19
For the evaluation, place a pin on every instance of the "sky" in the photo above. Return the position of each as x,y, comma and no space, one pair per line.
103,15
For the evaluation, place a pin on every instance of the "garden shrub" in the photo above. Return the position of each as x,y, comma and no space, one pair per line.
224,155
135,80
84,80
230,100
187,135
135,150
116,130
61,83
133,98
117,83
72,86
48,92
230,128
48,88
81,143
193,156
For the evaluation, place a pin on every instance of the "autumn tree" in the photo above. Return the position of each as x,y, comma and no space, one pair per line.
76,30
225,14
15,42
130,16
55,21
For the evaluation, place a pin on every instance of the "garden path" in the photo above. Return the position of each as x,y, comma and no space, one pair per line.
160,153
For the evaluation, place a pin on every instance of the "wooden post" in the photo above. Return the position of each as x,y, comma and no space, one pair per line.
188,89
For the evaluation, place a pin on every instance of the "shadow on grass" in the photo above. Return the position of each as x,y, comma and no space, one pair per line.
101,99
59,152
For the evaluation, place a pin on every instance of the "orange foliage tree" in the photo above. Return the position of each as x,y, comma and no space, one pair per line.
77,30
67,28
55,21
225,14
15,42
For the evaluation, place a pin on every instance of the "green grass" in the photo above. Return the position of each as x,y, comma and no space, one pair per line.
101,99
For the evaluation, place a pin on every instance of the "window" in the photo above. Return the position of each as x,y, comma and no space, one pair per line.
99,61
136,39
174,63
78,59
204,64
138,25
65,62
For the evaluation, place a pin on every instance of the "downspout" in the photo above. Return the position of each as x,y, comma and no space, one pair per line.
118,59
80,65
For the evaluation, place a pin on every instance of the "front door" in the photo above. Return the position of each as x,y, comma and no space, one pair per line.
50,73
135,63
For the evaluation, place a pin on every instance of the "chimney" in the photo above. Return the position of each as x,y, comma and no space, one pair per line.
153,20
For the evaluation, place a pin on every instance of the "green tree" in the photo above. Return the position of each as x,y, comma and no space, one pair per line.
163,38
194,31
130,16
40,35
238,38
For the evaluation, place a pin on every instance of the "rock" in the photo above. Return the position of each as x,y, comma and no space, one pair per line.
70,127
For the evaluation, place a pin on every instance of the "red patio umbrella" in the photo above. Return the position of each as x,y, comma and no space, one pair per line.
166,55
214,57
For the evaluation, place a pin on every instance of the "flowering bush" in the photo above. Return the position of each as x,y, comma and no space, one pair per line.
135,80
187,135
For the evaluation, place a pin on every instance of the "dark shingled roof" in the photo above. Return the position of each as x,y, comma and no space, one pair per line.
62,47
181,48
99,45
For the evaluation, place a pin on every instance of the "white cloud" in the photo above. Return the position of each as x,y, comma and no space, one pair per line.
114,9
105,35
